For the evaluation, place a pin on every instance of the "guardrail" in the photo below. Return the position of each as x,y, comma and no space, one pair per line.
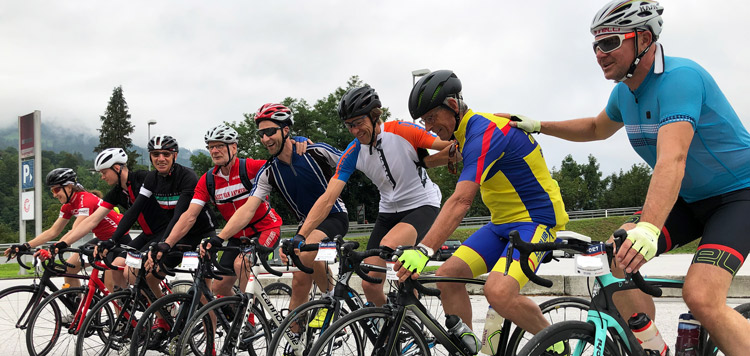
355,228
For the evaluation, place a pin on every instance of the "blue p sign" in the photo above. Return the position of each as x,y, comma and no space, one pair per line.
27,174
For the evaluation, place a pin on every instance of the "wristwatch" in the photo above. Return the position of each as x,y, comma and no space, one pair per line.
426,250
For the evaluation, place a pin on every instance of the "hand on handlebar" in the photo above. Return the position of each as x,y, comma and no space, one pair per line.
210,244
639,248
13,249
411,262
56,247
103,247
156,254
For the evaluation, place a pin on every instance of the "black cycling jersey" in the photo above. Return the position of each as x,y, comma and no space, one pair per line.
171,194
153,220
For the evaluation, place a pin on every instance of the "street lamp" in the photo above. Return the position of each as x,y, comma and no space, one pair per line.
150,122
418,73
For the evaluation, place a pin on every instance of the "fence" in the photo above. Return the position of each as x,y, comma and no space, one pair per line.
355,228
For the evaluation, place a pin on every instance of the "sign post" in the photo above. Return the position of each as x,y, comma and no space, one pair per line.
29,166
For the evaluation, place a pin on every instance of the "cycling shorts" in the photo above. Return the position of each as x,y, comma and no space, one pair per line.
268,238
721,221
421,218
486,249
143,243
334,224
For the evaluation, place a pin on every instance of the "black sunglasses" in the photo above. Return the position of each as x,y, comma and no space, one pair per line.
268,131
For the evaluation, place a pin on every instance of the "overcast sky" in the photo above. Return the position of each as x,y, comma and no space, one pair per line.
191,64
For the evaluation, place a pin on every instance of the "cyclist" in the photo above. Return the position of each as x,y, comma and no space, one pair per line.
229,195
507,167
169,188
682,125
393,155
301,177
76,201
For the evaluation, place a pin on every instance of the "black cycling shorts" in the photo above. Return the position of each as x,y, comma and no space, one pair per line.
268,238
334,224
421,218
144,241
721,222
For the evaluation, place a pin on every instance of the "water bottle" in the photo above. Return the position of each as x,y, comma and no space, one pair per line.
493,327
462,333
688,335
648,335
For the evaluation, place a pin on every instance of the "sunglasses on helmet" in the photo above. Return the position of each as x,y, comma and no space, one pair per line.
611,43
270,131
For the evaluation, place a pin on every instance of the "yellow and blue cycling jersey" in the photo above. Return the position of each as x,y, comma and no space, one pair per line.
508,165
515,185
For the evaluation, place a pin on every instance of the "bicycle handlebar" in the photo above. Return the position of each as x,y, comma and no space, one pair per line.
526,249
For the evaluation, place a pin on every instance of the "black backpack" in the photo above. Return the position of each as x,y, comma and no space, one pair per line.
211,187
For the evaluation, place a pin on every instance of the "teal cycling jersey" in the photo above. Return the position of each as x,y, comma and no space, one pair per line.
718,157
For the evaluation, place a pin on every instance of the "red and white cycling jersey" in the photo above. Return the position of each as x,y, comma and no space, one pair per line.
85,204
230,194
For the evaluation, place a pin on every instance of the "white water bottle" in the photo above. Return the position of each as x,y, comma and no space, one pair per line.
648,335
493,327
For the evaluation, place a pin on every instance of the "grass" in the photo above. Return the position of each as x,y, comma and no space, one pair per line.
10,270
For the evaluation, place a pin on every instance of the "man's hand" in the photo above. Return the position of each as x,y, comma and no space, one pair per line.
13,249
156,253
639,248
412,262
301,145
103,247
210,244
55,248
523,122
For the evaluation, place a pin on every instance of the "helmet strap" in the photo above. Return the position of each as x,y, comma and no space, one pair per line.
455,115
68,196
119,174
231,156
637,59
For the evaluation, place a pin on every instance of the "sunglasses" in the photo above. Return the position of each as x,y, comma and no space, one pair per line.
55,189
355,123
156,154
268,131
611,43
452,159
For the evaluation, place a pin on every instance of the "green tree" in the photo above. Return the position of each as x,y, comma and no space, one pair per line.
627,189
116,127
581,185
201,163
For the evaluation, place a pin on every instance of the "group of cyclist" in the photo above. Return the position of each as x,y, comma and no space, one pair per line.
675,115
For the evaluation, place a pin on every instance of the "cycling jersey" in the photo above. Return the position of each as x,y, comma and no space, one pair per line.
680,90
152,219
85,204
230,194
302,182
172,193
392,167
508,165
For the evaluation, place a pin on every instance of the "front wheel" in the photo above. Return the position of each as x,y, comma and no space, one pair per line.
554,311
17,303
342,339
109,324
572,335
52,324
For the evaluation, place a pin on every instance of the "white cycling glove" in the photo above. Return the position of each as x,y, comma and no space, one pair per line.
645,237
527,124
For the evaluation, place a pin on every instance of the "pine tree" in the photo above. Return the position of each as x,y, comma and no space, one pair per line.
116,127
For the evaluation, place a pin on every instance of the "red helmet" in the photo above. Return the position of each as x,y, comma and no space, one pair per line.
275,112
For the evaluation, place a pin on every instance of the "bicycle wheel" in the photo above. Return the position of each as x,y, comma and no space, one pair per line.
303,323
178,286
110,324
171,307
337,341
554,310
16,306
253,336
710,348
50,322
280,294
573,334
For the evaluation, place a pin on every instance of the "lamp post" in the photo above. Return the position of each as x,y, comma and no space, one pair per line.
150,122
416,74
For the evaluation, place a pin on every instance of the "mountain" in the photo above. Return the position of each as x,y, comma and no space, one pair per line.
58,139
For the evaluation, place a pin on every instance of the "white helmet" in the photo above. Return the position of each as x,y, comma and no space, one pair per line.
109,157
621,16
221,133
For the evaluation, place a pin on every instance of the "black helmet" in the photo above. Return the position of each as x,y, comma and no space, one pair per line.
163,142
61,176
431,91
358,101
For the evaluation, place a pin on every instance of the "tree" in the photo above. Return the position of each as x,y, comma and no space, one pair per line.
627,189
580,184
201,163
116,127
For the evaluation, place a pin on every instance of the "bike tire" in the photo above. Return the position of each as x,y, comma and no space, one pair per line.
143,332
47,317
255,337
567,331
110,319
411,340
303,315
280,294
15,304
554,310
709,348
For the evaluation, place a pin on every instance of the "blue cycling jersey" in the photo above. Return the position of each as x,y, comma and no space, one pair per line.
719,153
302,182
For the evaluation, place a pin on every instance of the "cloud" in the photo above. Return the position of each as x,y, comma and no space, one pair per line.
192,64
